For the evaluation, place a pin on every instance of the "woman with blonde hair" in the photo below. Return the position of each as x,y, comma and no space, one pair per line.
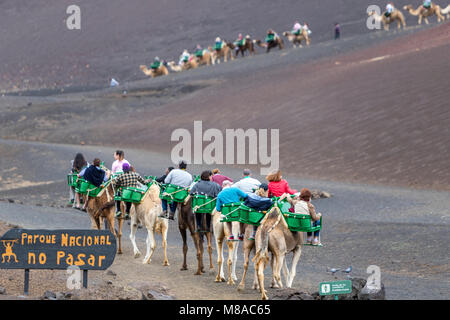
277,185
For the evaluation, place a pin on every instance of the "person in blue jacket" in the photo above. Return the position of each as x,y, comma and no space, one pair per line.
230,194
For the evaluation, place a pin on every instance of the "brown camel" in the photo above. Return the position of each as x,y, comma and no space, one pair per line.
103,207
225,52
396,15
273,234
297,39
249,46
161,71
186,220
423,13
277,42
147,212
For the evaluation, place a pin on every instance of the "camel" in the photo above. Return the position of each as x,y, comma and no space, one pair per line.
396,15
273,234
186,220
103,207
446,11
249,247
248,46
146,212
206,58
423,13
277,42
161,71
297,39
191,64
221,233
225,52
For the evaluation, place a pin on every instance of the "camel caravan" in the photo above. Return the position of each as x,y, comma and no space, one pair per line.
269,217
224,51
423,11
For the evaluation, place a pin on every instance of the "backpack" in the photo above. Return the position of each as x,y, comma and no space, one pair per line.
258,203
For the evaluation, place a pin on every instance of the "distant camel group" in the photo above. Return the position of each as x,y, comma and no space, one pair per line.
211,56
420,12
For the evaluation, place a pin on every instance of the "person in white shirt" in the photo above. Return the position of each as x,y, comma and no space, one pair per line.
247,184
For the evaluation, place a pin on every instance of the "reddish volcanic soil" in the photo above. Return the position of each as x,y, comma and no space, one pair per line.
376,115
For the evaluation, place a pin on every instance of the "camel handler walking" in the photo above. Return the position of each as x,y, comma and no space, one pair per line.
178,177
128,179
230,194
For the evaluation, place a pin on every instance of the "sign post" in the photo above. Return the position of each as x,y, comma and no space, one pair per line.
57,249
335,288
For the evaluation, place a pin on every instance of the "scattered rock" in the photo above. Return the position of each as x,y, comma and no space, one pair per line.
317,194
111,273
11,200
156,295
49,295
38,205
371,293
2,290
291,294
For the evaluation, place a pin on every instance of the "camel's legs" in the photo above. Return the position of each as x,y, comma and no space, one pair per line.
133,228
208,237
231,245
295,258
247,250
234,261
259,269
277,270
219,244
185,247
164,229
151,244
198,241
119,235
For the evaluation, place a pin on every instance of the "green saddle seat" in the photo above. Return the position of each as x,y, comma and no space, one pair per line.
174,193
72,179
230,211
155,65
270,38
251,216
203,204
87,188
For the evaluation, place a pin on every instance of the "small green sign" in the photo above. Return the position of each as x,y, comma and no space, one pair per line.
335,287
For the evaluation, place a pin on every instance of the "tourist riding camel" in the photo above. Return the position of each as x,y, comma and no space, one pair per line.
302,205
218,177
222,50
424,11
208,188
78,164
277,185
157,68
389,16
95,175
119,160
272,40
230,194
243,44
178,177
127,179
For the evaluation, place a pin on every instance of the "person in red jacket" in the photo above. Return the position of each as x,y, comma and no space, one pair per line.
277,185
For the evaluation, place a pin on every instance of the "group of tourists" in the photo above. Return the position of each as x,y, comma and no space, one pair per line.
254,194
426,5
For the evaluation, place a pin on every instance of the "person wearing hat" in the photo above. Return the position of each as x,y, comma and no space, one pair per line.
128,179
302,205
247,183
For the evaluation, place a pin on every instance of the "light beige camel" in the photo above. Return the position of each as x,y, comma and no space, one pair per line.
146,212
423,13
191,64
161,71
446,11
103,207
396,15
273,234
297,39
221,234
206,58
224,53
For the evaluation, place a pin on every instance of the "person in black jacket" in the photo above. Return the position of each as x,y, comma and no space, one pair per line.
163,177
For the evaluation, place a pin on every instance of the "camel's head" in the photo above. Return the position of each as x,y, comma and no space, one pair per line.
371,13
142,67
285,33
407,7
170,63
